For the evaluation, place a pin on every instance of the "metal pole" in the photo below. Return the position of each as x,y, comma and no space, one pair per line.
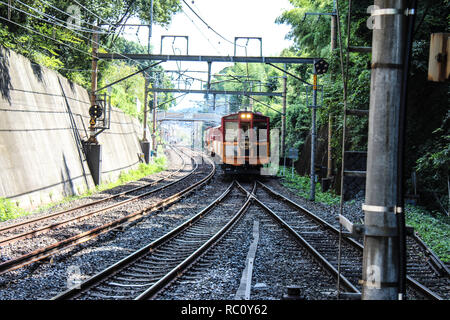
283,120
381,243
312,194
150,28
330,159
144,134
155,104
94,75
333,32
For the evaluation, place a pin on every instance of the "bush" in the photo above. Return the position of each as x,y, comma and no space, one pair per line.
9,210
302,185
434,231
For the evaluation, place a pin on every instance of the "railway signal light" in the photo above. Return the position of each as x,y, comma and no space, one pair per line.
95,111
321,66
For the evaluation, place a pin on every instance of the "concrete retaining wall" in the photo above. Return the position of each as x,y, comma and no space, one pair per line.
41,116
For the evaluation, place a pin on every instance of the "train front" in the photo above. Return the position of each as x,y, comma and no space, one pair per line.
246,146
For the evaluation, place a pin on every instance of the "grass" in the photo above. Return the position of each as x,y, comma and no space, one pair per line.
9,210
302,186
433,230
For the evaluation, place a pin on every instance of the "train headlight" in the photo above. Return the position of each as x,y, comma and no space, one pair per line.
246,115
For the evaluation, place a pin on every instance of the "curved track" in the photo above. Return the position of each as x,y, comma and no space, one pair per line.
17,231
162,196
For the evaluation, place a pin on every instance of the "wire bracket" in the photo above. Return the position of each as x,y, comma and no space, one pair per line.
392,11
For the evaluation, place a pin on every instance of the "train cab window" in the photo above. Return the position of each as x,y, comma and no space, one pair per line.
231,131
245,130
261,131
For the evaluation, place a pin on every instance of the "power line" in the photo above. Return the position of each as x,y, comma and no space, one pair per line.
48,37
48,16
195,25
61,25
209,27
81,20
97,16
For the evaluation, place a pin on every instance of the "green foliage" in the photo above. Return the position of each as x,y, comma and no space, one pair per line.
9,210
434,231
48,42
133,175
427,142
302,186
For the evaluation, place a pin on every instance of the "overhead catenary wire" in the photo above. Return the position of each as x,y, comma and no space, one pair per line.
46,36
52,17
61,25
209,27
81,20
195,25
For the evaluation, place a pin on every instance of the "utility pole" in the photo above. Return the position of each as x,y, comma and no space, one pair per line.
312,194
94,76
283,119
330,159
92,149
145,144
380,276
330,117
333,27
155,104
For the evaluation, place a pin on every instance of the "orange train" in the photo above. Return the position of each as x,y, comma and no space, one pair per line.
241,143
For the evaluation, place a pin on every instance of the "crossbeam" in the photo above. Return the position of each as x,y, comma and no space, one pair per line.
238,93
195,58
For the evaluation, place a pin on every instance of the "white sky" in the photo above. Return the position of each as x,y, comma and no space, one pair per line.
230,18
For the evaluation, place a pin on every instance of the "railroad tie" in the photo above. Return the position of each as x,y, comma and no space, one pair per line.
243,292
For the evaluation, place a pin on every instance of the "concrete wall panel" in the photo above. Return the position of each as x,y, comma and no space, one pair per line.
41,115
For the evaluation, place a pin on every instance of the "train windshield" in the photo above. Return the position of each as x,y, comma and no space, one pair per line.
261,130
245,130
231,131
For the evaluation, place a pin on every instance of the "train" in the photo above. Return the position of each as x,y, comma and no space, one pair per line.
241,144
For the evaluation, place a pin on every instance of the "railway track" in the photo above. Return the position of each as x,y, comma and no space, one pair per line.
269,254
40,225
161,197
143,273
423,282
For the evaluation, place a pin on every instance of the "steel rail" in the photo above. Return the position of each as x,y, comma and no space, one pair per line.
412,282
317,256
82,217
433,259
137,255
48,251
183,266
60,213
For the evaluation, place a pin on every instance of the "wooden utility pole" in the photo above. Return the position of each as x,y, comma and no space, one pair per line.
380,276
94,73
92,149
94,76
330,118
